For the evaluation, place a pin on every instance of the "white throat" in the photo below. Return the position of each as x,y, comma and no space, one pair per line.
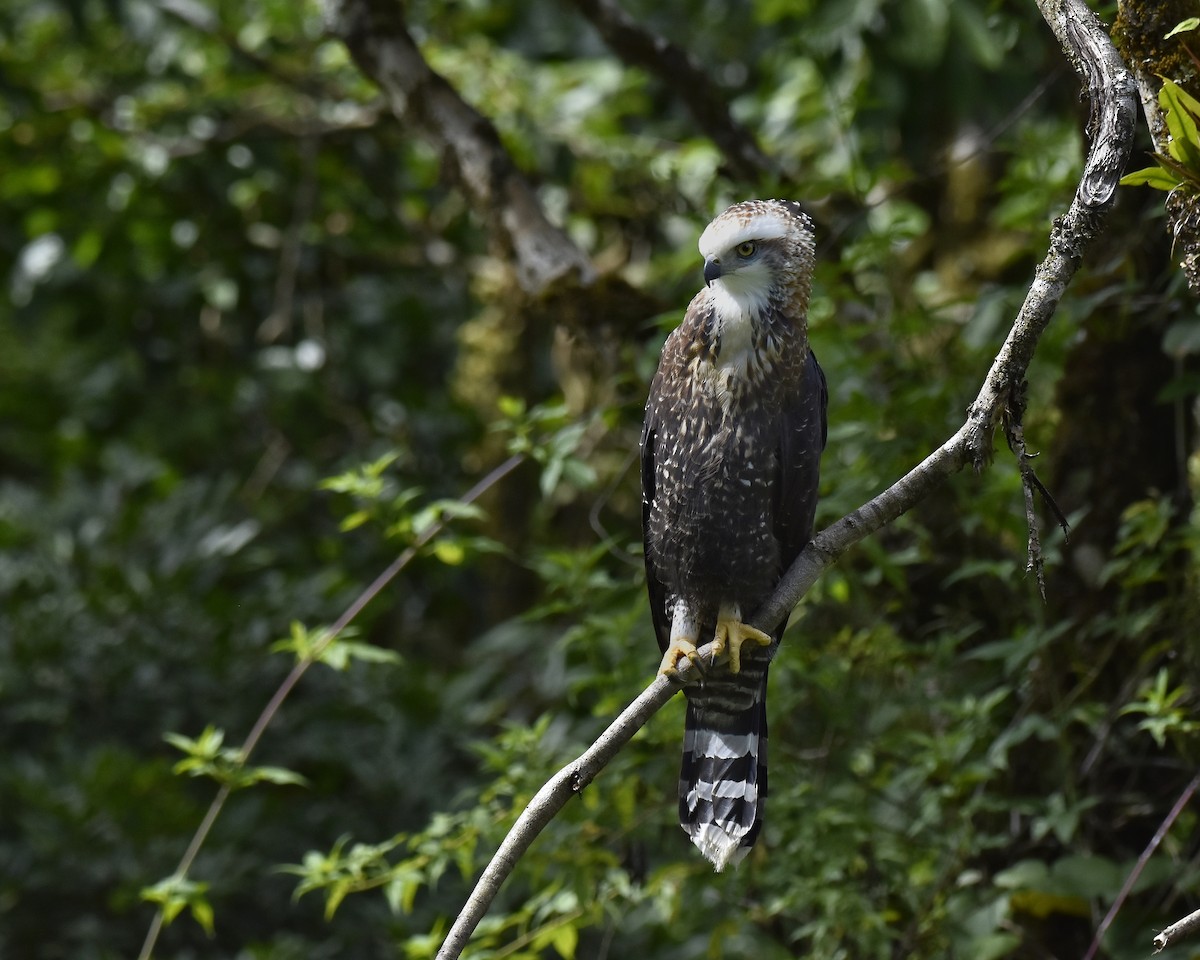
735,307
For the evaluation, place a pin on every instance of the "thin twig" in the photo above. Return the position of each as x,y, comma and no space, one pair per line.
1014,432
1138,867
279,320
1114,114
1180,928
301,667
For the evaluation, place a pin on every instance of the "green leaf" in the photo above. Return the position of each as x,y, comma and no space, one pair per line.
1180,111
565,940
279,775
1184,26
994,946
335,652
450,552
550,477
511,407
202,913
1157,177
401,891
335,896
175,893
366,652
1182,338
1023,874
354,520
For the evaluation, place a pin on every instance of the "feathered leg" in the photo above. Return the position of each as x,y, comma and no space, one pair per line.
684,631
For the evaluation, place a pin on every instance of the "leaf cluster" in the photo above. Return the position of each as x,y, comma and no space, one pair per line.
1180,166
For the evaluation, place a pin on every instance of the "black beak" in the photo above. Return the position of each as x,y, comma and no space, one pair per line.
712,270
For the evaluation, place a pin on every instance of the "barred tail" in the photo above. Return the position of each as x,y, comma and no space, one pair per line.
723,780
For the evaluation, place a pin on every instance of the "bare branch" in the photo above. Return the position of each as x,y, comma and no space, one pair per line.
1112,95
568,782
673,65
1138,31
1180,928
376,36
1114,114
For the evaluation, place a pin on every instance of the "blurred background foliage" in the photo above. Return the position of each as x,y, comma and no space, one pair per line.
231,274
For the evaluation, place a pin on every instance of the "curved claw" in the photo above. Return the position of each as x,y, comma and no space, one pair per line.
731,634
679,648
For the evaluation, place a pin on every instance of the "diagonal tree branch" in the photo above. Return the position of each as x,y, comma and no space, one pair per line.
375,33
1112,94
673,65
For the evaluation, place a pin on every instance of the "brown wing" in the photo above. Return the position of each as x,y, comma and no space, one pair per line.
665,391
802,438
654,585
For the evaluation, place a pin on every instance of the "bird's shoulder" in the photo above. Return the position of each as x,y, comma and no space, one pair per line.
692,340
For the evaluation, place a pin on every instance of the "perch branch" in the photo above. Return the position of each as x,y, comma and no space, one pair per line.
1114,111
681,74
377,37
1180,928
1114,114
568,782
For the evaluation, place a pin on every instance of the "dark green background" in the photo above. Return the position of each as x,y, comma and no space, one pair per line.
231,273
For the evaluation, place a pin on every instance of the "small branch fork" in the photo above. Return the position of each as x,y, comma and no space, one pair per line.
1113,99
1014,432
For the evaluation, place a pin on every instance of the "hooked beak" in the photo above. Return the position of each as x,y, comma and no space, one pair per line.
712,270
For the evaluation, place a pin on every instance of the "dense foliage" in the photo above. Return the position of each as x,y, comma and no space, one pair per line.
255,338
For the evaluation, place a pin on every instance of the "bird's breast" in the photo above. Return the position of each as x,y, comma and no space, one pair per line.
711,520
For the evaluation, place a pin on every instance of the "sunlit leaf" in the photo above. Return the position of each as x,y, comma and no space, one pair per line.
1184,26
1156,177
1180,110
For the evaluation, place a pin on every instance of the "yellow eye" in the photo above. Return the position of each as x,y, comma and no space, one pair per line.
745,249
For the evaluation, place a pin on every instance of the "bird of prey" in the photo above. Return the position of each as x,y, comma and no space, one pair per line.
731,448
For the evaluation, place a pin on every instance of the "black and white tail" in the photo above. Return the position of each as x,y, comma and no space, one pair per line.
723,780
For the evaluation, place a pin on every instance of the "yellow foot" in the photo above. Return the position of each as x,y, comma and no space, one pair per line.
731,634
678,649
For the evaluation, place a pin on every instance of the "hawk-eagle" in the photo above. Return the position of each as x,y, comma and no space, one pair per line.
731,448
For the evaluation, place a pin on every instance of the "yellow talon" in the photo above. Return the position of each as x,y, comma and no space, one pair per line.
731,634
678,649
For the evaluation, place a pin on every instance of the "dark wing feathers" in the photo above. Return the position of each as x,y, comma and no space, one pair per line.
654,584
802,438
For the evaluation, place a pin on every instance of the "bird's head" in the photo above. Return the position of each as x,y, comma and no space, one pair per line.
759,251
